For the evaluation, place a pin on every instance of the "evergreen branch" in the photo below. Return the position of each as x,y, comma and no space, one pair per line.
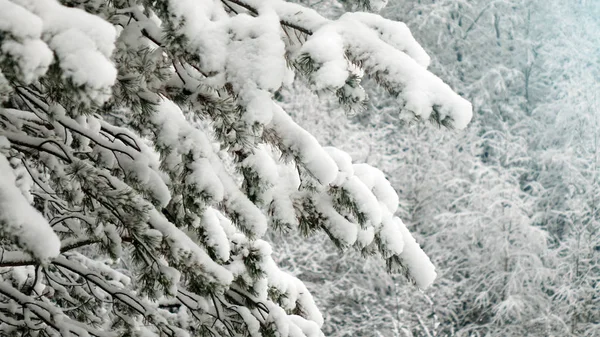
40,144
127,298
46,313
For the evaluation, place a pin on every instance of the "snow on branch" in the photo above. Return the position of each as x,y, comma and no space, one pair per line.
20,221
144,156
385,50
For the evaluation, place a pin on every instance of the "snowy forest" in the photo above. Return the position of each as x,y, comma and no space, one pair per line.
300,168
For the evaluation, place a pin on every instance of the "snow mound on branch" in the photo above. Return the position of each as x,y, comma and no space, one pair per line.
22,33
377,201
82,43
423,93
216,235
18,219
396,34
187,250
305,148
256,52
207,176
243,51
375,180
421,269
326,48
295,293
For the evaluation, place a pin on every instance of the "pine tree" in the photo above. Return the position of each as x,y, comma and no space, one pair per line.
143,157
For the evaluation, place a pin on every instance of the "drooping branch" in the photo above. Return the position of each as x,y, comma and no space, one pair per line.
51,315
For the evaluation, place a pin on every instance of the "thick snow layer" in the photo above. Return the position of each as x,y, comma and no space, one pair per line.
82,42
294,291
177,134
391,237
365,236
188,252
252,324
258,105
207,174
326,48
304,146
282,207
308,328
420,267
248,215
396,34
365,201
21,23
18,219
22,42
215,234
336,225
81,62
292,13
262,164
202,23
375,180
343,162
256,52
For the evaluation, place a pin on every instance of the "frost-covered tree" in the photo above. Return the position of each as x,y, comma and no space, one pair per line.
567,171
143,157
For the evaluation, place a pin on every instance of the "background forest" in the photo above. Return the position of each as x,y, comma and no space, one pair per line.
506,209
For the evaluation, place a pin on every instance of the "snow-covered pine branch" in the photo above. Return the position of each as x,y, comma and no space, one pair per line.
143,157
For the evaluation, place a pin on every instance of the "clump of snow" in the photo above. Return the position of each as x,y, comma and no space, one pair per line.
82,42
365,236
22,33
252,324
81,62
206,174
420,267
187,251
308,327
343,162
20,221
255,52
326,48
177,135
396,34
258,105
305,148
265,167
365,201
201,22
282,207
236,202
375,180
390,237
336,225
215,234
294,291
